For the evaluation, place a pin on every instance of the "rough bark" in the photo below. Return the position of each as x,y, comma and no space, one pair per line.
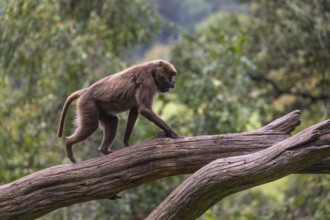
226,176
104,177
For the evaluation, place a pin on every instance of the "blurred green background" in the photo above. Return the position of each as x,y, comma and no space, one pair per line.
240,65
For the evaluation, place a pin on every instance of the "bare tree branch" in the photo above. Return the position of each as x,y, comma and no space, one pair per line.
282,91
226,176
104,177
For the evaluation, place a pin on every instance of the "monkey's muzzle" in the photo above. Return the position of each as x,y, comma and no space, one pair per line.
171,85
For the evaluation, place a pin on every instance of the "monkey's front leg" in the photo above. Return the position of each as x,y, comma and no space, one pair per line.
151,116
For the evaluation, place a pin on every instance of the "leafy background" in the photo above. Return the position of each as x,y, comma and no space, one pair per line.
240,63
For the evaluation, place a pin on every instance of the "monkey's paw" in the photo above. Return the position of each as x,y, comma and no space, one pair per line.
105,152
172,135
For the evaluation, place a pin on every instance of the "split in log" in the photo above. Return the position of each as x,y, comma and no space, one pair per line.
240,161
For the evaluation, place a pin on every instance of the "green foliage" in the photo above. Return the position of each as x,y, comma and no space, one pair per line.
247,205
213,67
186,14
291,41
309,200
307,197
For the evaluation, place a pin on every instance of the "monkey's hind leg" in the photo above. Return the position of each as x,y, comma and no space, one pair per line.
87,116
110,125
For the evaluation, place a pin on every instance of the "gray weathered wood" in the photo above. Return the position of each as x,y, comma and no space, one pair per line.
44,191
226,176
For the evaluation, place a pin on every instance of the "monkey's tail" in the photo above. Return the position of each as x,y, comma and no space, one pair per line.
67,103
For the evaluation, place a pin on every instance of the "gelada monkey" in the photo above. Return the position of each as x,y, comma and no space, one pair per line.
133,89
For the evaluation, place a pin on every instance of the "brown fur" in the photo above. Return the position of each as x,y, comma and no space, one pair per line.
133,89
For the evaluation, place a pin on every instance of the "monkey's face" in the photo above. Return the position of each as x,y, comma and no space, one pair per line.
164,76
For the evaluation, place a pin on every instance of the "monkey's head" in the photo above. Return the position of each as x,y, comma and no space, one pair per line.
163,75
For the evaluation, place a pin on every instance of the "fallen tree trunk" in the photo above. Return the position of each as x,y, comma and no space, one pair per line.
104,177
